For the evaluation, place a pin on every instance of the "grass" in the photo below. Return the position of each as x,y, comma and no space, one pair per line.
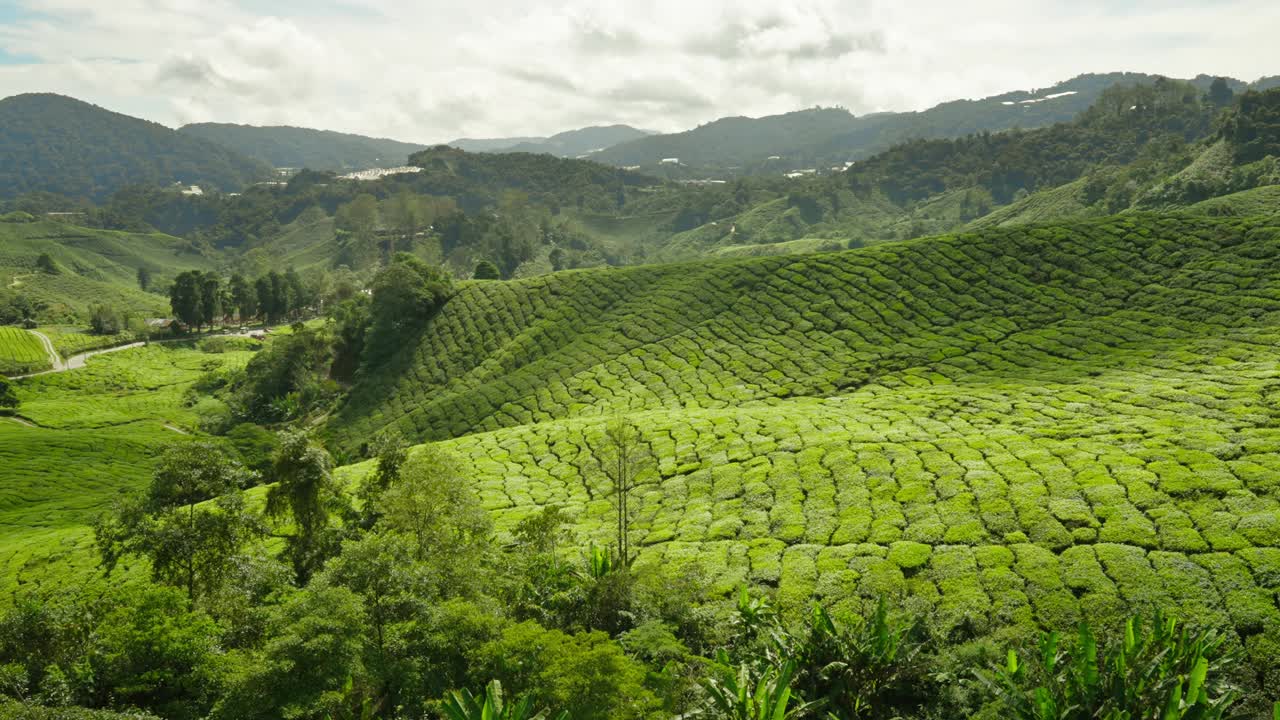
21,352
1015,429
82,437
73,340
95,266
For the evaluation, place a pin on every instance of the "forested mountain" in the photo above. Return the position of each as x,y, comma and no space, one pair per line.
822,138
568,144
294,147
57,144
1166,144
578,143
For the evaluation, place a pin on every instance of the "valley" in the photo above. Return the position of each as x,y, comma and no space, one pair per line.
544,417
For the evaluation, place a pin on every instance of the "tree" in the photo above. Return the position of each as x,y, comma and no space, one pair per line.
435,505
299,296
311,665
486,270
359,220
45,264
265,301
404,295
185,295
105,320
391,452
280,300
210,298
243,297
406,213
622,456
8,398
144,278
305,491
1220,93
191,542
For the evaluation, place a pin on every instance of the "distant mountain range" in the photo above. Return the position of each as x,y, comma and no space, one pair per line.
61,145
823,137
570,144
294,147
52,143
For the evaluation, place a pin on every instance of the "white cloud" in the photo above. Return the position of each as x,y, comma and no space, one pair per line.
434,71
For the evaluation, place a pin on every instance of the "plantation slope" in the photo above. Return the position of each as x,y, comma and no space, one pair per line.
94,266
1012,430
21,352
727,333
80,439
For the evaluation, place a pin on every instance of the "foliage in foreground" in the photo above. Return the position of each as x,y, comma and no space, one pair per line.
1162,672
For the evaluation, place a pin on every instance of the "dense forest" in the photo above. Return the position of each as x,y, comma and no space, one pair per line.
51,143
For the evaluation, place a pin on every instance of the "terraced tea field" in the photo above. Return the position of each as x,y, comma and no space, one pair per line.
1011,429
82,436
21,352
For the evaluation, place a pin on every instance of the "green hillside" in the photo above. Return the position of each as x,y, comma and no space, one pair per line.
293,147
80,439
1014,428
21,352
52,143
92,266
1157,147
822,138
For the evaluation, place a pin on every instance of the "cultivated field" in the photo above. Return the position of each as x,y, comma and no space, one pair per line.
1013,429
82,437
21,352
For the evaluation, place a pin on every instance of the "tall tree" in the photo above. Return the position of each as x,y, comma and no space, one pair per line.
299,296
243,297
622,456
305,491
1220,93
266,301
185,299
191,543
144,278
210,298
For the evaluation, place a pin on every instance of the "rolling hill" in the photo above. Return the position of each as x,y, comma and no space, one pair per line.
293,147
822,138
1013,428
568,144
52,143
92,266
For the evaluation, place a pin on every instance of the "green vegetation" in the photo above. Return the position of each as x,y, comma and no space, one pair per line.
21,352
96,267
925,479
992,425
56,144
292,147
80,438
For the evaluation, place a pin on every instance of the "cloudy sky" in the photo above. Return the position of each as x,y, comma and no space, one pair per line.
433,71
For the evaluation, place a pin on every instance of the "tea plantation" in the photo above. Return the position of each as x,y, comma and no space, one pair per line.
1015,428
21,352
80,438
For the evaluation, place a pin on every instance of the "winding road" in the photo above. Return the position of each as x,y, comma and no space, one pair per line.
57,364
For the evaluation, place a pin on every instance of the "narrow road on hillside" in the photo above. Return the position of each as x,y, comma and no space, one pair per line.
75,361
55,360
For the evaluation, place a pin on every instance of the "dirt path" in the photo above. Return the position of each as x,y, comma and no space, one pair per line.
55,360
76,362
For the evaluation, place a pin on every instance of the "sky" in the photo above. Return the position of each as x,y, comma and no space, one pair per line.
434,71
